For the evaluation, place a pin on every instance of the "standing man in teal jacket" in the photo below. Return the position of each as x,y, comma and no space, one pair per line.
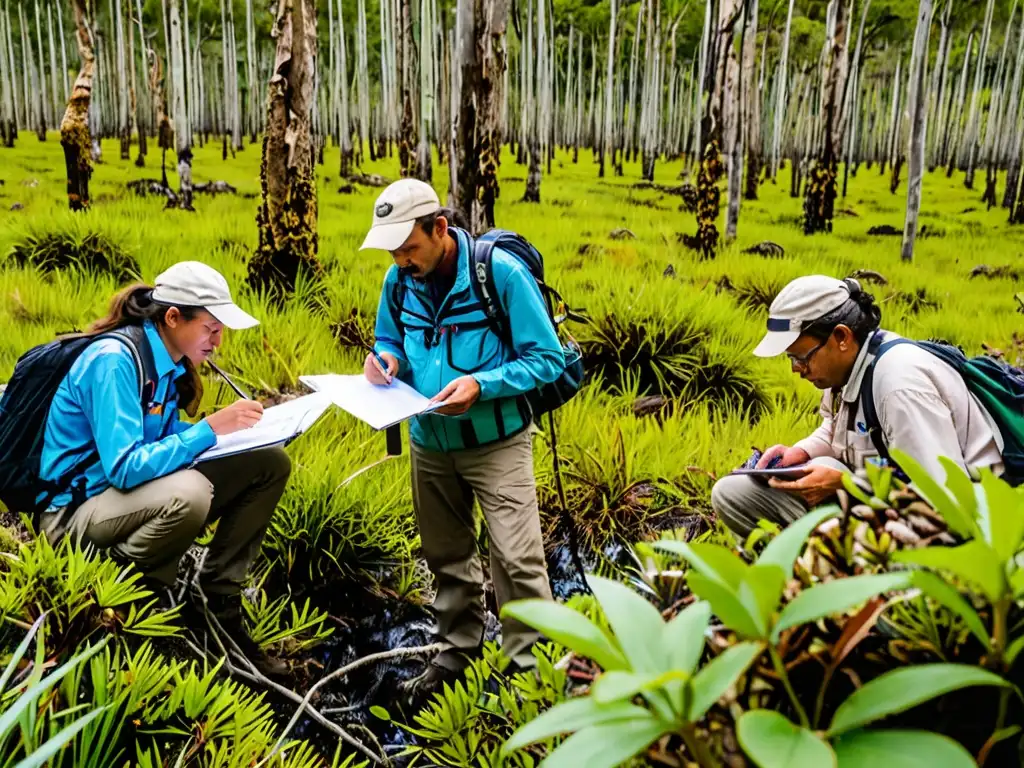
433,334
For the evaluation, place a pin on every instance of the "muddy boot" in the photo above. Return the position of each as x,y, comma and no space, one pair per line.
445,669
228,611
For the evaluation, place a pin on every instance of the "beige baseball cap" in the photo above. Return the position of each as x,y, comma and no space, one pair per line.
797,306
193,284
396,211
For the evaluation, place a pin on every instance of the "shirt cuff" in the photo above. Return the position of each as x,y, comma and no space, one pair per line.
199,437
490,383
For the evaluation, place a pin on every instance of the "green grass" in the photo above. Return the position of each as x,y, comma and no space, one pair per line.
690,334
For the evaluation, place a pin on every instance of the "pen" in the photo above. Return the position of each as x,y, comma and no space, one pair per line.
380,362
235,387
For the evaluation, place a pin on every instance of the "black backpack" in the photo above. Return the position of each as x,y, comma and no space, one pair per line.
547,397
24,408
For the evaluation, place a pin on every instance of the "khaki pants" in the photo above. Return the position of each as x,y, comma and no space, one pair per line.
741,501
153,525
500,477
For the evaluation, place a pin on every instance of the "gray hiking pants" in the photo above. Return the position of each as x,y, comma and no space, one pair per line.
740,501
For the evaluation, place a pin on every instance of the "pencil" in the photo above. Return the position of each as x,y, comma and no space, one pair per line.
235,387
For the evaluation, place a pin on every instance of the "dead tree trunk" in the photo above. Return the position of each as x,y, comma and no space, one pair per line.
820,196
482,61
74,128
918,126
163,123
709,196
182,132
287,250
752,101
406,71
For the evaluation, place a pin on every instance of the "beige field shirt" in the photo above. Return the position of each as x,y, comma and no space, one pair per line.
925,410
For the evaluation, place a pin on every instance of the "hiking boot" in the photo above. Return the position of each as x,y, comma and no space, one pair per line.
227,609
446,668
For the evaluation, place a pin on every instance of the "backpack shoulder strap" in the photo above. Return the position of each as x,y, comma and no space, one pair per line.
867,394
481,251
134,338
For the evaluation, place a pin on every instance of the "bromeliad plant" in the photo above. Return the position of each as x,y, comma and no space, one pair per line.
659,663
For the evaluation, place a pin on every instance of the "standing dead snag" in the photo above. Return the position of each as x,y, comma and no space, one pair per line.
286,218
74,128
481,60
820,196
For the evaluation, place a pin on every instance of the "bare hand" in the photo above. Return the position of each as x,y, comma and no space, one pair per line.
790,456
236,417
818,484
377,375
458,396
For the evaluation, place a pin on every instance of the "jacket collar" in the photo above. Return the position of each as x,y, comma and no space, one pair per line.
162,362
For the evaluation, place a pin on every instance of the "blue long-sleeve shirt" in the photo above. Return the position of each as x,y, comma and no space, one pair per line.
441,340
97,407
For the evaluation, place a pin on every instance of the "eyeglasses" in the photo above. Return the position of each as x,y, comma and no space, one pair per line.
803,361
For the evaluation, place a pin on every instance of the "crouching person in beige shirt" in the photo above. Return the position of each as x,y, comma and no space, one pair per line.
830,331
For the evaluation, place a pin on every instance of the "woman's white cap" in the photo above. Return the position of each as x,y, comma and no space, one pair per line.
193,284
797,306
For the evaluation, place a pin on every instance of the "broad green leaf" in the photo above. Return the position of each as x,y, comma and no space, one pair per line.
725,604
760,592
965,491
975,562
903,688
1005,515
41,756
683,642
1013,650
956,518
568,627
1017,583
637,624
618,685
684,636
942,593
380,713
608,745
711,683
835,597
573,715
712,561
900,749
785,548
771,741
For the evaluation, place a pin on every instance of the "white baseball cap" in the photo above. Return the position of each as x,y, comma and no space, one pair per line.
396,211
193,284
797,306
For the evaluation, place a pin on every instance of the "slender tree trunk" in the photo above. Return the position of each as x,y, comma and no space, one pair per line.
974,116
820,195
407,73
145,104
8,115
955,123
780,105
287,250
918,126
733,119
39,66
538,107
74,128
606,133
344,124
752,102
182,133
55,89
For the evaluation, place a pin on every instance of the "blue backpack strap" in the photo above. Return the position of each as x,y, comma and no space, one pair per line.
482,279
867,394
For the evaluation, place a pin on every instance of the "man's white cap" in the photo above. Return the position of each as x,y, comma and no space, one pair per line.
396,211
797,306
193,284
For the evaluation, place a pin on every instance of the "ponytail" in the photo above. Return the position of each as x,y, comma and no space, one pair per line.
133,305
859,313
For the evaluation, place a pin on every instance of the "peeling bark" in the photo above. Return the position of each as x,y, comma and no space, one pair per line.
287,250
74,128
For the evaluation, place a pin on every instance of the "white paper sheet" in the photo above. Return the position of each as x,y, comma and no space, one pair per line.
279,424
378,406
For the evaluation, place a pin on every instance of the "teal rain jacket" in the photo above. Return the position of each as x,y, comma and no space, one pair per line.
437,344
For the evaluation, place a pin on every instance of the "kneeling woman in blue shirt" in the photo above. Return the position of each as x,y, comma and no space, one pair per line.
142,503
